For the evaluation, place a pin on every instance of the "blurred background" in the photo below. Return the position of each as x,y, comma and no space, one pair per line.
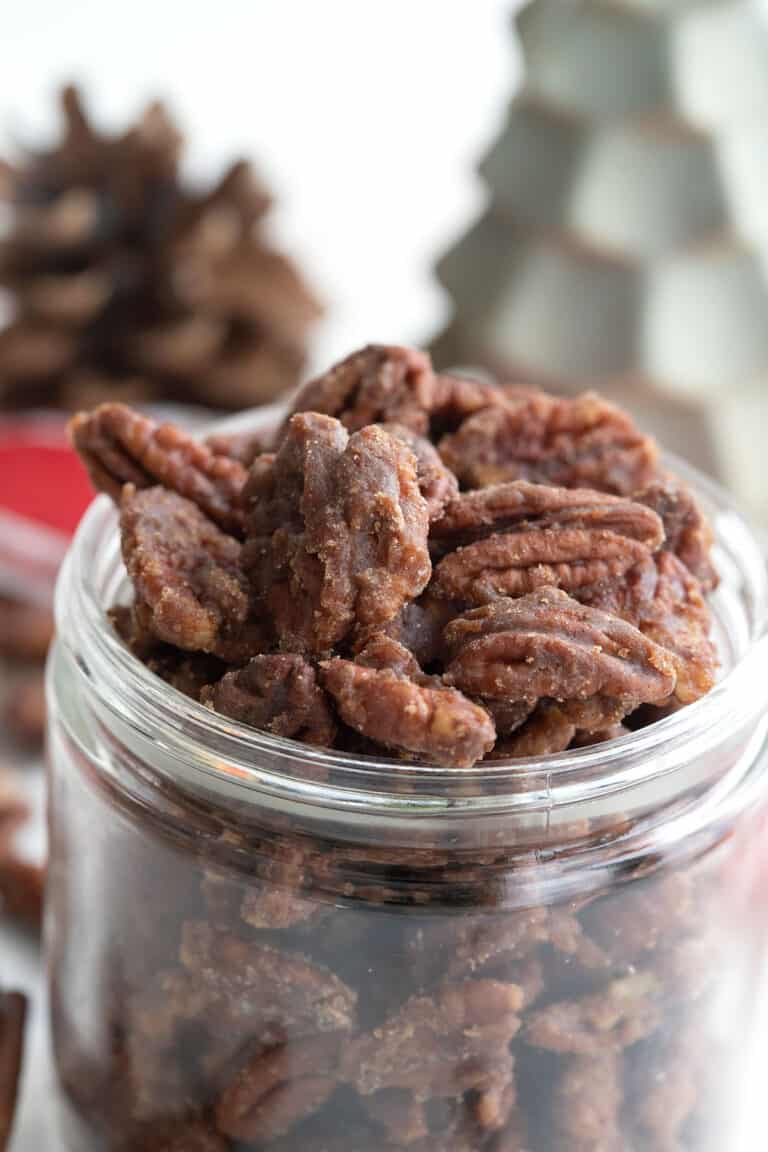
605,224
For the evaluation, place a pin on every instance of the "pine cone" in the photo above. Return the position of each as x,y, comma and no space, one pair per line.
127,284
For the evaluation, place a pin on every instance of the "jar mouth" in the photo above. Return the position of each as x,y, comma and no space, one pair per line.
193,739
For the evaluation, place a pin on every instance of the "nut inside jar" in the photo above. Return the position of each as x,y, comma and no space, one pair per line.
432,578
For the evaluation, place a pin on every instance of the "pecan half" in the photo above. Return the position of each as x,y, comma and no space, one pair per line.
437,483
388,699
442,1045
549,645
581,442
279,694
337,533
119,446
688,534
625,1011
279,1088
186,572
379,383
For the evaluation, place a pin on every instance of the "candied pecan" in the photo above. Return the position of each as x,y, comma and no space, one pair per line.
260,985
442,1045
586,1104
420,625
337,533
293,529
278,693
520,504
547,731
272,1093
518,537
639,917
186,572
625,1011
581,442
665,1083
187,672
378,383
183,1135
399,707
437,483
273,907
26,630
548,645
667,604
508,715
13,1010
119,446
687,531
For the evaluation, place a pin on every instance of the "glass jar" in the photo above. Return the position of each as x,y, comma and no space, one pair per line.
258,945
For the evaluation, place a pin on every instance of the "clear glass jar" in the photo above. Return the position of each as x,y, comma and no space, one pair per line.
258,945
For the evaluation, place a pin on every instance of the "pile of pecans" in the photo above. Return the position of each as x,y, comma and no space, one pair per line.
419,564
427,567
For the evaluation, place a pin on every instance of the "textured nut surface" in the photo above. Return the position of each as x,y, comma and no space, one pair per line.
119,446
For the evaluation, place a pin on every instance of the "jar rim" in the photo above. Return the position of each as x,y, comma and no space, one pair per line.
237,758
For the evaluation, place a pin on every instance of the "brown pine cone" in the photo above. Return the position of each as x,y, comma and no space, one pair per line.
126,284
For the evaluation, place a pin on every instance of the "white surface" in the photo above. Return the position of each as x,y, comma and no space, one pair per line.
366,118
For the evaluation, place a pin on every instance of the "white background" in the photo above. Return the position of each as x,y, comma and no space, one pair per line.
365,116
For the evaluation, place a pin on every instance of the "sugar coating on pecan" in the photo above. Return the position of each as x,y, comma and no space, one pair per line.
437,483
688,534
420,625
381,383
399,707
625,1011
186,573
417,1048
119,446
548,645
266,983
513,538
574,443
337,532
587,1102
279,1088
278,693
13,1011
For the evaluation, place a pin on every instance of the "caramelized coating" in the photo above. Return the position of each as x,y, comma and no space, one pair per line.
381,383
625,1011
548,645
119,446
573,443
398,707
687,533
337,533
437,483
279,694
587,1104
186,572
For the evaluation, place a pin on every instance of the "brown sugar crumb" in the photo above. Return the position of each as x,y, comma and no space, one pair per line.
399,707
186,572
279,694
119,446
573,443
